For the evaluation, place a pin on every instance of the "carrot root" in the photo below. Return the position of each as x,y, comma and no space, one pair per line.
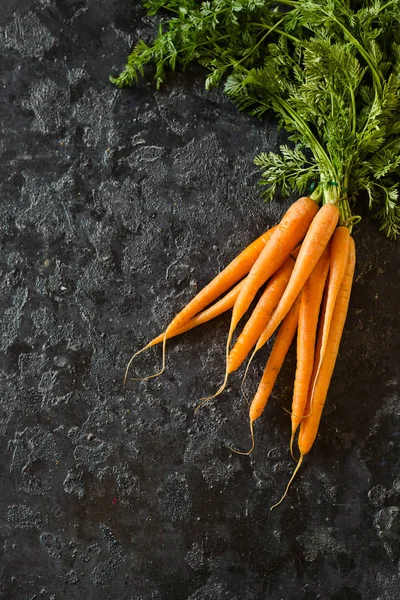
160,372
248,365
217,393
128,366
291,446
290,482
223,386
252,442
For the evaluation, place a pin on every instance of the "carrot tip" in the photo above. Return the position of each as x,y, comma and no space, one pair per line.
223,386
217,393
290,482
128,366
142,350
243,391
252,443
247,368
291,446
149,376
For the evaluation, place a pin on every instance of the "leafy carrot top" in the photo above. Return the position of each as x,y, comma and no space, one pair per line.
329,70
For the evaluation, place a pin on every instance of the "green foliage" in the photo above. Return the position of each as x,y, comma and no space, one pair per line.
329,70
218,34
286,171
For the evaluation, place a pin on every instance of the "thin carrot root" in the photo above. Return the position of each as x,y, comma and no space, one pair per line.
243,392
252,442
290,482
292,414
223,386
247,367
186,318
217,393
164,343
128,366
291,446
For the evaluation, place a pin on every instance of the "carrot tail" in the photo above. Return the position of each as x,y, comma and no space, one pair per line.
217,393
290,482
223,386
161,371
242,388
248,365
252,442
132,358
291,446
294,430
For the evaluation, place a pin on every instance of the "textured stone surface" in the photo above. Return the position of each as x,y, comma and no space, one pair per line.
115,208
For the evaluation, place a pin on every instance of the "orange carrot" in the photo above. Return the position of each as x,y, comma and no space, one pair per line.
260,315
317,354
316,240
309,426
224,304
288,233
236,270
306,335
279,350
339,258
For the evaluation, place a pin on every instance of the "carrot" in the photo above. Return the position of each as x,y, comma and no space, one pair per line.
236,270
279,350
316,240
339,257
288,233
224,304
309,426
308,321
317,353
260,315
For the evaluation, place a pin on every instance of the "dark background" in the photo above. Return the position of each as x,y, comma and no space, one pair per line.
116,206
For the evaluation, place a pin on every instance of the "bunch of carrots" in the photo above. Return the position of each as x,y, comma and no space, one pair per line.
328,70
306,265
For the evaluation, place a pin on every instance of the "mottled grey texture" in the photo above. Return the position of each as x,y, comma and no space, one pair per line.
116,206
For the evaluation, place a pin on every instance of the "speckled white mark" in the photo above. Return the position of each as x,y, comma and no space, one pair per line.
94,113
320,543
49,103
23,517
26,35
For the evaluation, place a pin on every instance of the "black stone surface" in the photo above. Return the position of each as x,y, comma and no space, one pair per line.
116,206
